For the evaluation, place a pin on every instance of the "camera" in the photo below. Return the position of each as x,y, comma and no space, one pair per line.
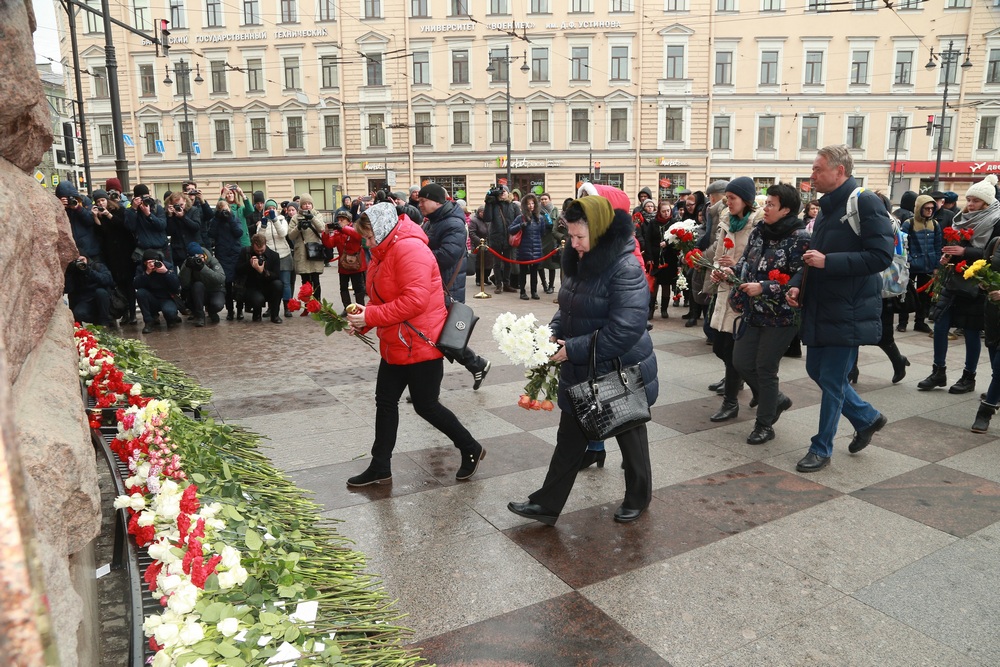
271,214
334,225
73,202
114,195
157,264
196,262
149,201
260,260
495,191
231,188
308,215
178,207
100,209
80,264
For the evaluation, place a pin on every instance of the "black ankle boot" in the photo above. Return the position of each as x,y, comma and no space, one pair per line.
983,416
899,364
937,378
730,410
852,377
965,384
591,457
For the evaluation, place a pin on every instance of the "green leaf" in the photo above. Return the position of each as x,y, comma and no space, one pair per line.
213,612
291,634
205,647
287,592
226,474
228,651
253,541
330,328
197,478
234,662
269,619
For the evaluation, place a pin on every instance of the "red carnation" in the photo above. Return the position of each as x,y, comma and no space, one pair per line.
294,305
967,234
951,234
961,266
313,306
728,243
305,291
189,500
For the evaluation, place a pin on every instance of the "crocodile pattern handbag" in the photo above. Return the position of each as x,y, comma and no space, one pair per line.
612,403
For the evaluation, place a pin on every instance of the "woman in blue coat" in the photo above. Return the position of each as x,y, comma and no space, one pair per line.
604,290
532,226
227,233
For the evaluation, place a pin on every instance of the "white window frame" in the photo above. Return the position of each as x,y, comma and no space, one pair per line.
570,107
661,127
767,153
386,114
618,143
989,153
771,44
821,45
810,152
862,44
728,46
304,134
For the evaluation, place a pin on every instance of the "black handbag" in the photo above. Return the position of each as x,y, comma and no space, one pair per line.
611,404
314,251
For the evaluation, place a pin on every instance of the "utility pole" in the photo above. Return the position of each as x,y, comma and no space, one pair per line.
82,120
111,62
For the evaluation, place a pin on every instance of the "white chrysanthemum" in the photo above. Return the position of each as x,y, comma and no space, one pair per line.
192,633
228,627
682,283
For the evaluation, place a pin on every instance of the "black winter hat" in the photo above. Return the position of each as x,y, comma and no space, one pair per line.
98,194
908,201
140,190
258,197
151,253
434,192
743,188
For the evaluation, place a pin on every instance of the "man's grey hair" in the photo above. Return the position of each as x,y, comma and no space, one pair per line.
838,155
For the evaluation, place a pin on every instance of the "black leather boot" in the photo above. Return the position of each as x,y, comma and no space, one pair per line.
983,416
899,363
965,384
937,378
730,410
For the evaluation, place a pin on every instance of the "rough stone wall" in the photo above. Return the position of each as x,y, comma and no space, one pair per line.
51,443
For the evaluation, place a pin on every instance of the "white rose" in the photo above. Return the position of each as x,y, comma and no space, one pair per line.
169,583
147,518
121,502
230,557
184,598
161,659
192,633
136,389
161,551
226,580
169,505
166,634
200,662
150,624
228,627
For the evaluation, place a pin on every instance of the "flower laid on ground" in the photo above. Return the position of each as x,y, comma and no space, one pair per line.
682,235
527,343
324,312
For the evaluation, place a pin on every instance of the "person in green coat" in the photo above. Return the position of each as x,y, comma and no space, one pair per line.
241,208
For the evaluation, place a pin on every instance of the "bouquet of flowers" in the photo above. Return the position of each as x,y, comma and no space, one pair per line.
682,235
980,271
527,343
695,258
323,311
956,235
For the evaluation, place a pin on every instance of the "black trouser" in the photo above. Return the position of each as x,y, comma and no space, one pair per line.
269,293
756,357
922,301
312,279
202,300
150,305
722,346
95,308
522,278
357,281
501,269
468,358
571,445
231,297
424,381
551,282
664,288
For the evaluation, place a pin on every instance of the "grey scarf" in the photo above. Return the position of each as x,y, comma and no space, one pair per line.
980,222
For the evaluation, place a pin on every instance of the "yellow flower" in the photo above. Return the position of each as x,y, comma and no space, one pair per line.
974,269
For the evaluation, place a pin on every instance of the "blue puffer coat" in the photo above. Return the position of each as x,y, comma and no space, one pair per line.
605,290
532,231
446,237
924,244
227,232
842,302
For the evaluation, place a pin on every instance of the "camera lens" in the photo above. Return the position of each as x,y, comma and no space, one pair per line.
157,264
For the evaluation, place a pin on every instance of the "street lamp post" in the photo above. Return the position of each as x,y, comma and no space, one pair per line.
182,70
492,69
947,57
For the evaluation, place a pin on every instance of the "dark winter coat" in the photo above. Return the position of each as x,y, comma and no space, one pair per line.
842,302
81,221
150,231
183,230
446,237
605,291
499,215
649,195
923,245
211,274
227,234
479,230
552,239
117,245
662,263
532,230
81,286
249,276
160,285
761,256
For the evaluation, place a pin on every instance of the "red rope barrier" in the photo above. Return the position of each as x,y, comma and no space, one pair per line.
925,286
514,261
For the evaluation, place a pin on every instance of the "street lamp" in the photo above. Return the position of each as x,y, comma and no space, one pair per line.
183,71
492,69
947,57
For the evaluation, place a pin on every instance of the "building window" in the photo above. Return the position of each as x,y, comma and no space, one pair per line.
579,6
951,71
945,132
147,80
373,67
765,133
373,9
993,67
218,69
897,131
621,5
903,75
539,64
422,128
223,138
327,12
421,67
100,76
676,6
580,59
724,68
295,133
539,7
910,4
770,5
177,16
331,132
864,4
769,68
187,135
288,11
673,127
328,67
619,63
987,133
670,184
460,128
418,9
619,125
855,132
460,67
814,67
816,6
500,126
459,8
183,80
291,65
540,126
258,134
95,24
675,62
720,133
255,79
251,12
213,13
152,135
859,67
499,7
957,4
376,129
580,125
725,5
501,68
107,136
140,15
810,133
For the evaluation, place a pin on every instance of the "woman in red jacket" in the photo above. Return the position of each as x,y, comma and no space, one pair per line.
407,307
351,261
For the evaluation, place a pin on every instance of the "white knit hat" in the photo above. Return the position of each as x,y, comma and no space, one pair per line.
984,189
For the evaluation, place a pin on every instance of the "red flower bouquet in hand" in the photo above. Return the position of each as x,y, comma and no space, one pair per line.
778,277
323,311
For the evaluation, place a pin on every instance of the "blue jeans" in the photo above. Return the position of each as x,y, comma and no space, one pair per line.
828,367
286,285
993,393
595,446
973,346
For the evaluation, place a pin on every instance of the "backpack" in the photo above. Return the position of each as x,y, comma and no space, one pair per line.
896,276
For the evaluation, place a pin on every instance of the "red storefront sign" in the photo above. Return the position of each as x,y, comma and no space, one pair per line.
959,168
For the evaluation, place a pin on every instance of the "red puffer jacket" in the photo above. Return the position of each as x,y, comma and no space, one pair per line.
404,284
347,241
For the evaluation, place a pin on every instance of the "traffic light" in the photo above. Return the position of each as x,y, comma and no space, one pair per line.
164,37
597,171
930,126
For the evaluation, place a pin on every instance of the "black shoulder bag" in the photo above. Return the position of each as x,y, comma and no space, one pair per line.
611,404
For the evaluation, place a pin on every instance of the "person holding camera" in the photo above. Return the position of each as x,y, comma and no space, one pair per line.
227,241
532,226
81,220
306,232
190,188
351,260
500,212
147,222
88,286
184,225
155,287
274,226
203,282
240,207
258,270
117,246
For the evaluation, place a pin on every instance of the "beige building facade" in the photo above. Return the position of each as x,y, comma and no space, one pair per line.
335,97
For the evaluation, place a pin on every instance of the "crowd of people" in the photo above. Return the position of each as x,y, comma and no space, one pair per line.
765,273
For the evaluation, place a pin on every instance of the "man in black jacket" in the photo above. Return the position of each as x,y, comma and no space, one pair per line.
500,212
203,283
259,270
88,285
155,287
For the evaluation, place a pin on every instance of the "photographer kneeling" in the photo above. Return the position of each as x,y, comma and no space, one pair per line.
155,285
88,286
259,271
204,283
